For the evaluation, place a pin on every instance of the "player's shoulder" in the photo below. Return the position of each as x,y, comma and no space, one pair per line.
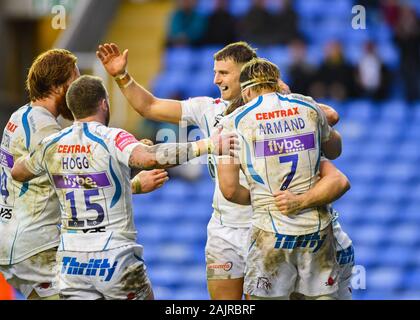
57,136
206,102
40,117
17,115
300,98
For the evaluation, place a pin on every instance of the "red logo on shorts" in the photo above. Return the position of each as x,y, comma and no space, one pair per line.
226,266
330,282
45,285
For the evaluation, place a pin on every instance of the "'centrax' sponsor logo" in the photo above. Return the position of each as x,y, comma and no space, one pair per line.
277,114
74,148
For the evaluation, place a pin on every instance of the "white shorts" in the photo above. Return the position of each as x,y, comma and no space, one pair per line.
35,273
113,274
345,259
278,265
226,251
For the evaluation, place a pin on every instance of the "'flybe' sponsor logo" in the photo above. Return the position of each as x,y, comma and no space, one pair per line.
277,114
274,147
93,268
78,181
74,148
6,159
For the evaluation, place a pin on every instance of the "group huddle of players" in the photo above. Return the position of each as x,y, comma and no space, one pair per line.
66,221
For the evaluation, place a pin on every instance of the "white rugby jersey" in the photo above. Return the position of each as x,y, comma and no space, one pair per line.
29,212
280,137
206,113
87,164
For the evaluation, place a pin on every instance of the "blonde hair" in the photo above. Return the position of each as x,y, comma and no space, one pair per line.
260,74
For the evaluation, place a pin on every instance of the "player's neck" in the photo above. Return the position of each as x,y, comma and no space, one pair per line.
94,118
47,103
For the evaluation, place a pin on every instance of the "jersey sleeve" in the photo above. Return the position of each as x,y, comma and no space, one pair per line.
324,126
42,127
33,160
194,109
125,143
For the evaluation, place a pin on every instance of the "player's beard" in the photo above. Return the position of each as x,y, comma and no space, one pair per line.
63,109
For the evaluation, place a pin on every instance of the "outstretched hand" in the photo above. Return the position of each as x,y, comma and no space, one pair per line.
113,60
225,144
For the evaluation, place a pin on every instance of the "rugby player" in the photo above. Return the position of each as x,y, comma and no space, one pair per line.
30,211
98,257
282,138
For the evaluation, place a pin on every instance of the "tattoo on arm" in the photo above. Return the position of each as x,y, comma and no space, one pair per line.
161,156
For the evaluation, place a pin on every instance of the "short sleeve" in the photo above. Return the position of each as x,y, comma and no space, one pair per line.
194,109
33,161
324,126
42,126
125,143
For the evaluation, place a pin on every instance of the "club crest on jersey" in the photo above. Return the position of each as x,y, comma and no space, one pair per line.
273,147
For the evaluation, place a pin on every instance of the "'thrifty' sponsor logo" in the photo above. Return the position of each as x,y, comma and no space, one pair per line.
84,181
93,268
274,147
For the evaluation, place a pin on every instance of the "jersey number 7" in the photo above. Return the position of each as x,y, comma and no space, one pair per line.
294,159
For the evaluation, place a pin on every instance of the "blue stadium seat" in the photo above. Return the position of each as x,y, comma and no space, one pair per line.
179,58
412,279
201,84
167,276
389,54
205,6
394,111
169,83
368,235
365,255
396,256
191,293
361,110
405,234
380,212
384,278
188,232
163,293
239,7
152,232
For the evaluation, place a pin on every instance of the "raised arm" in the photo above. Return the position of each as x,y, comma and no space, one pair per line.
144,102
332,185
